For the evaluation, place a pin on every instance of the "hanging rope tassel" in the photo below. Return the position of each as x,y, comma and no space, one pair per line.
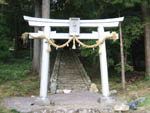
25,37
49,48
74,44
114,36
100,50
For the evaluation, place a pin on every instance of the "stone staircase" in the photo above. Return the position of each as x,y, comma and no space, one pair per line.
69,74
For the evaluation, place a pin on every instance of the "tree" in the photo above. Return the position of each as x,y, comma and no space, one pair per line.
45,8
146,18
122,59
36,42
12,11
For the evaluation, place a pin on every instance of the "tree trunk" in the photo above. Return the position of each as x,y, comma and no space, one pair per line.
36,43
122,60
45,12
146,18
45,8
16,34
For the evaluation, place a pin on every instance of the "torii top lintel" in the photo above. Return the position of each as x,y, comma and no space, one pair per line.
40,22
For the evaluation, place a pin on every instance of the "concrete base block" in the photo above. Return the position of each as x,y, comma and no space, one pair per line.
53,87
106,100
42,101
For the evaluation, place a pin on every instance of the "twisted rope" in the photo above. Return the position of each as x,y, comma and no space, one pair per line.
74,39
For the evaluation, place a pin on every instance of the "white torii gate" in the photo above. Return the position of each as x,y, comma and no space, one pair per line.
74,25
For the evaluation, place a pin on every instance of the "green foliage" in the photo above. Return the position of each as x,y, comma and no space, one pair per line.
133,30
4,110
12,26
128,68
146,103
14,111
4,43
126,3
87,52
14,69
77,8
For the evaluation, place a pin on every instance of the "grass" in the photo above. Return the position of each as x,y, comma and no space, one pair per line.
4,110
16,78
14,69
134,90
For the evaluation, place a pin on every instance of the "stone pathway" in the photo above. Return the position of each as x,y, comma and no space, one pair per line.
84,102
69,74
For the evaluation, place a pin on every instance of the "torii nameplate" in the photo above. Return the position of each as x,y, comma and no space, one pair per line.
74,27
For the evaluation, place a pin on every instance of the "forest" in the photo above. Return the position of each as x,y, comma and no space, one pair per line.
19,62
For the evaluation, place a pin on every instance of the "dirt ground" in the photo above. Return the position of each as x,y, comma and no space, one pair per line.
83,102
75,102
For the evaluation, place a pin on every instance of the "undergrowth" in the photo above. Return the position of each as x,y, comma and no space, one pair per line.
16,78
15,69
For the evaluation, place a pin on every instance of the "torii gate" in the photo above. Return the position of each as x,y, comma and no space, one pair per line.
74,25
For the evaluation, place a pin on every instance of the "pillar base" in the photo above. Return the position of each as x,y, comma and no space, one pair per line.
106,100
42,101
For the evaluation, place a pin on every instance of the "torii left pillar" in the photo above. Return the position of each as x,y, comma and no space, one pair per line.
43,100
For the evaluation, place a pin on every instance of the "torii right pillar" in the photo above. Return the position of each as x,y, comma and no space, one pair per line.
103,65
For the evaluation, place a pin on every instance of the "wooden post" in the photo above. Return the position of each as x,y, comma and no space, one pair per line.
36,42
44,65
122,59
103,65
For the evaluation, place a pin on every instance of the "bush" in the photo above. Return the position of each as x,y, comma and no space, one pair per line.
5,43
